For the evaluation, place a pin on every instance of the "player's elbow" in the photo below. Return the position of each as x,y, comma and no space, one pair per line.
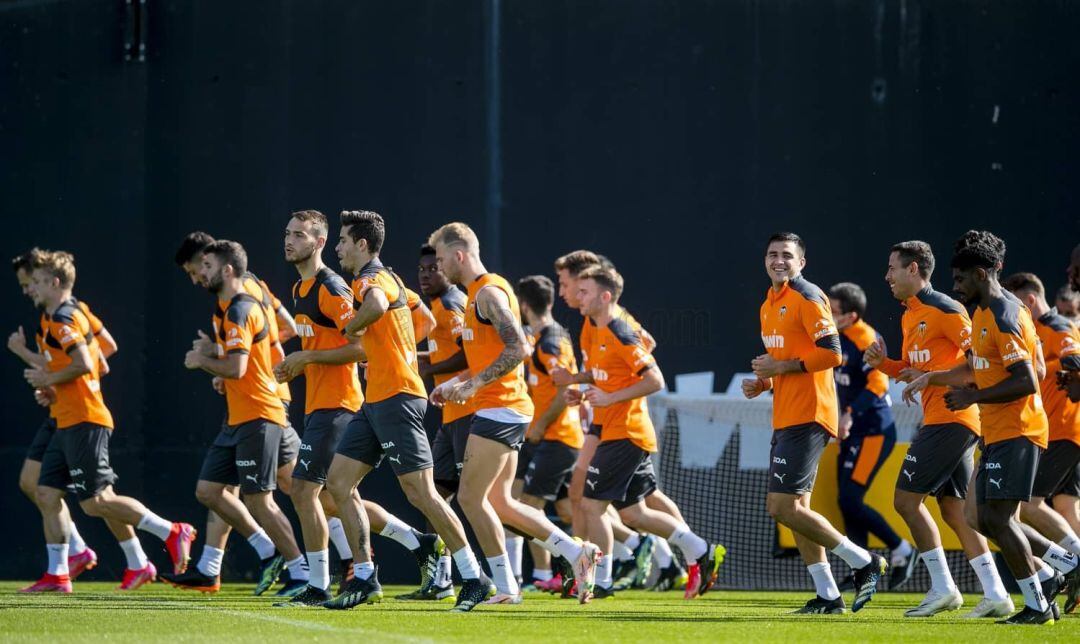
655,378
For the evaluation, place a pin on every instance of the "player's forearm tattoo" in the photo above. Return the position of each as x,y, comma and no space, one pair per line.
513,339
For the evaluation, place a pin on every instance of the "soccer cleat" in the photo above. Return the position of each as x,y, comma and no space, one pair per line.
473,593
624,573
935,603
345,574
866,579
310,596
431,592
693,580
49,584
902,571
269,571
669,577
1031,616
846,584
427,557
600,592
357,591
135,578
292,588
179,545
1051,588
702,574
566,572
643,560
991,608
552,585
80,563
585,570
192,579
1072,590
821,606
503,598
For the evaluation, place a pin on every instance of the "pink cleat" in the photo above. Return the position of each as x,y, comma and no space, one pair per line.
179,545
50,584
585,571
693,580
552,585
81,562
135,578
503,598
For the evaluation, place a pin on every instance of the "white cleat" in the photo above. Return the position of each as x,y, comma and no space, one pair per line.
992,608
503,598
585,571
935,603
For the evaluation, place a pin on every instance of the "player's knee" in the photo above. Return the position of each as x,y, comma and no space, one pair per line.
207,494
468,498
339,487
906,505
285,483
47,498
94,506
418,494
780,508
28,486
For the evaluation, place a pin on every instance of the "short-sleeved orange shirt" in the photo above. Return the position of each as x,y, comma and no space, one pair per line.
78,400
483,346
1061,349
244,329
553,348
617,361
323,307
445,341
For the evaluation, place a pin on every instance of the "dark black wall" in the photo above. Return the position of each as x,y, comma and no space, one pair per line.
671,136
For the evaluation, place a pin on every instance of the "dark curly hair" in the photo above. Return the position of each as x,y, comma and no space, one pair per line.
979,249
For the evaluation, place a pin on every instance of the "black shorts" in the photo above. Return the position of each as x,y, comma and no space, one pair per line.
448,451
290,446
793,459
547,474
323,429
244,455
393,428
1007,471
939,461
1071,485
1057,466
78,456
525,457
40,443
620,472
510,434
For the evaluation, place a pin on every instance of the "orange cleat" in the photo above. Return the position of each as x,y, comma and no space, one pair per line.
179,545
49,584
135,578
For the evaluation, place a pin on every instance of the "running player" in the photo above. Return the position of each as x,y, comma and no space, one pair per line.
495,347
803,347
78,451
940,460
866,429
391,421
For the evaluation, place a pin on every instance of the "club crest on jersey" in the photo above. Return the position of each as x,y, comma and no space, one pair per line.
783,311
982,334
921,328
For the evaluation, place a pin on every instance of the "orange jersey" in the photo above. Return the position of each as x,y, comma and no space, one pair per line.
552,348
588,334
323,307
483,346
389,341
416,311
96,327
244,329
937,334
258,289
1003,335
445,341
795,323
78,400
617,360
1061,349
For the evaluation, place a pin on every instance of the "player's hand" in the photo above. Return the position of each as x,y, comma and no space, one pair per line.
204,344
766,366
16,342
874,354
753,387
291,366
914,387
909,374
218,383
438,395
535,434
843,430
560,377
597,398
37,377
960,398
423,363
193,359
44,396
573,396
462,391
103,366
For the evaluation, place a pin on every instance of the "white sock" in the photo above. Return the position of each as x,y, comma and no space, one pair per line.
662,553
401,532
1033,596
443,572
542,574
824,583
1061,559
632,542
1045,572
855,556
564,545
941,580
155,525
900,555
502,575
692,546
622,553
338,538
133,552
264,547
58,555
467,564
76,545
210,561
363,570
553,551
298,570
987,571
514,545
319,569
603,572
1070,542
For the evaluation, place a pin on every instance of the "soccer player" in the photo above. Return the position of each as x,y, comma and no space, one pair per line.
940,460
802,348
1014,426
554,437
78,451
621,471
390,423
1067,304
495,346
866,429
245,451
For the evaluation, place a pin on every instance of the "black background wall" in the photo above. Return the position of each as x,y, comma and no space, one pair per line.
671,136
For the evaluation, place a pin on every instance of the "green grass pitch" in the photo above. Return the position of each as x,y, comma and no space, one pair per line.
160,613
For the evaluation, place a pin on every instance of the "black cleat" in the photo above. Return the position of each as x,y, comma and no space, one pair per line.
357,591
846,584
821,606
866,579
292,588
902,572
1072,590
1030,616
566,570
310,596
708,568
427,557
599,592
269,571
473,593
1051,588
669,577
192,579
345,574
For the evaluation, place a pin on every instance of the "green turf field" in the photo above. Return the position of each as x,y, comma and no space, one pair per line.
158,612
